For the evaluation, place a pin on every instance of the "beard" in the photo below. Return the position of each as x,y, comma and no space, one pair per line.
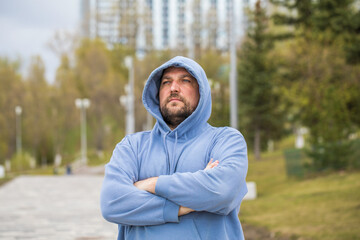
173,117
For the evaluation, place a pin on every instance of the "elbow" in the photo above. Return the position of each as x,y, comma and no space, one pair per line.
106,211
224,211
230,199
109,210
228,206
111,215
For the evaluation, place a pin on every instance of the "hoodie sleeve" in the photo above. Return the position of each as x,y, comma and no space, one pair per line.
219,190
123,203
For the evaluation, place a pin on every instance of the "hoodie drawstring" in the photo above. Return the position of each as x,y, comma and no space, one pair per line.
167,153
174,152
171,160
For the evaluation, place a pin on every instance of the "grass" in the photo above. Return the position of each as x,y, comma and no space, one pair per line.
326,207
5,180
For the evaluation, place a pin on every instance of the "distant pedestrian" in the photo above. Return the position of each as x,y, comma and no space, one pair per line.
68,169
163,183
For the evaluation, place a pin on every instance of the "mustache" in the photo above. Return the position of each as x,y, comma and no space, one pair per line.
175,95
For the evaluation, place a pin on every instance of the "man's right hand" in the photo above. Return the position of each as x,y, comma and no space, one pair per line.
184,211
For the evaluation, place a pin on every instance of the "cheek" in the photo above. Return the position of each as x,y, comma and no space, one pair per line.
194,99
195,102
162,97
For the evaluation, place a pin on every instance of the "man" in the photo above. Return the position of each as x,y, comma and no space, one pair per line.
163,184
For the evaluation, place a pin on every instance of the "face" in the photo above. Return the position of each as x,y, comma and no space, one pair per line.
178,95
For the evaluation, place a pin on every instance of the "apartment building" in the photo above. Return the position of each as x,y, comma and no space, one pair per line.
183,25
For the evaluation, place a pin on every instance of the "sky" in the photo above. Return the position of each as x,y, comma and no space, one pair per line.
27,27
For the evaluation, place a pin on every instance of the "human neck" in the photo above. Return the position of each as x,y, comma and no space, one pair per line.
172,127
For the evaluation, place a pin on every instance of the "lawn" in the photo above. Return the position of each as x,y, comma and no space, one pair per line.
323,207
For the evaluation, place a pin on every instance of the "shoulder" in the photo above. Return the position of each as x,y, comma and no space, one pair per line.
228,143
133,140
127,149
223,137
226,132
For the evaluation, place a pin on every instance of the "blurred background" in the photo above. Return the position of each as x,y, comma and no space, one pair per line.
286,73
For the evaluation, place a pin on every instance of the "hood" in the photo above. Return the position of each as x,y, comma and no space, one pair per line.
203,110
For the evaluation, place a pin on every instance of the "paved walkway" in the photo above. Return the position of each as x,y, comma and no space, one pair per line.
66,208
53,207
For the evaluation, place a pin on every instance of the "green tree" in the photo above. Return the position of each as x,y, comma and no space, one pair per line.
100,78
38,134
328,21
259,101
320,86
11,95
318,81
66,118
216,67
298,13
352,38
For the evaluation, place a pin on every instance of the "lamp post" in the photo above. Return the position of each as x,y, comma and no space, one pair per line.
128,100
18,111
82,104
233,75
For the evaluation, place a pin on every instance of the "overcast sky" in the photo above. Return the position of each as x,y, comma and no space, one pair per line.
26,27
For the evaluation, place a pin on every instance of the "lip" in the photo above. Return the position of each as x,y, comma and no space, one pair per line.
175,99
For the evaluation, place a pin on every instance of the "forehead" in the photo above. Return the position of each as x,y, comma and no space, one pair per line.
176,70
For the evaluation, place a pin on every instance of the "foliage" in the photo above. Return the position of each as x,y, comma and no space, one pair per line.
319,78
258,96
327,20
21,162
319,85
216,68
316,73
302,18
50,121
10,96
37,113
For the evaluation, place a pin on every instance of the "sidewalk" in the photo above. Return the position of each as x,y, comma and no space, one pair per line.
53,207
66,208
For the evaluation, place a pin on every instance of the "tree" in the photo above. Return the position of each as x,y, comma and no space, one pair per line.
101,75
258,97
328,21
216,67
319,82
320,86
65,114
11,95
303,13
37,113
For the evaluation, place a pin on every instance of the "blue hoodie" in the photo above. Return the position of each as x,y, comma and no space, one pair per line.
178,157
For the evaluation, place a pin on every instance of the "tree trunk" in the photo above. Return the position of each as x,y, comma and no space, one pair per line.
257,144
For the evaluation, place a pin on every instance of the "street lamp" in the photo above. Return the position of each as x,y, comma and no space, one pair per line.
128,100
82,104
233,75
18,111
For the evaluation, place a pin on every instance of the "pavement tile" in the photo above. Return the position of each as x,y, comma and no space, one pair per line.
53,207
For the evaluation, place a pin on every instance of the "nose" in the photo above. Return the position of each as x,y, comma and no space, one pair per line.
175,87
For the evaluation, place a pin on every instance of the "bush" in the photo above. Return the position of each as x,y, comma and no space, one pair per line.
340,155
21,162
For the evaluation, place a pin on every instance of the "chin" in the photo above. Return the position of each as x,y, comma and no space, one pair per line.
174,111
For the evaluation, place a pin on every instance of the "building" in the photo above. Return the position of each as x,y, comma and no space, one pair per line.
145,25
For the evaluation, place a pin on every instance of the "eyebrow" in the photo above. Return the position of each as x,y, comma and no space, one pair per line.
182,76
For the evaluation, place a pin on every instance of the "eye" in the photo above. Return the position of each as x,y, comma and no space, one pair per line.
186,80
165,82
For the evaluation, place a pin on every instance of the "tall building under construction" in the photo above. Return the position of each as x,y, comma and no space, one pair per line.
183,25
